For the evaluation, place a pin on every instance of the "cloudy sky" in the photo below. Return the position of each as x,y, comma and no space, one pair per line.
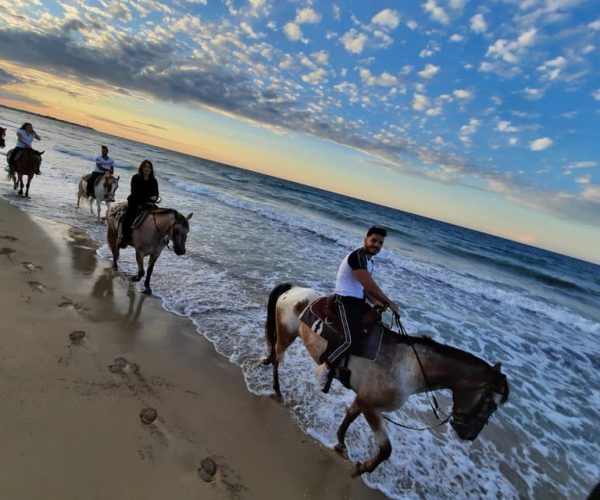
483,114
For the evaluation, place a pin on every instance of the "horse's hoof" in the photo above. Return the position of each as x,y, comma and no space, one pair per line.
357,469
266,361
135,278
147,291
341,449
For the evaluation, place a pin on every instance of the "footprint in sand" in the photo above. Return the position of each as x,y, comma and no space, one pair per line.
67,303
36,286
7,251
8,237
31,267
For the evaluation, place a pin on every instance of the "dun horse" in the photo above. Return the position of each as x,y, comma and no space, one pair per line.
158,227
28,163
104,191
386,383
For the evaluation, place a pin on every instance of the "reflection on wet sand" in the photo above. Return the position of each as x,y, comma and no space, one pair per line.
83,253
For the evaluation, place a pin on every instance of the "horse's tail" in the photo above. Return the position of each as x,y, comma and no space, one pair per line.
270,330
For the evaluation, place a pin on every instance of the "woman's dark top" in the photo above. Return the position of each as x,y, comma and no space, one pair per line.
142,190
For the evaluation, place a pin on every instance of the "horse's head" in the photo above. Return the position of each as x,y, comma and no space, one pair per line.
179,233
474,406
111,183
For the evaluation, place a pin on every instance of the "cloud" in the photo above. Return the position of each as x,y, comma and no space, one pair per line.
551,69
293,32
533,94
420,102
6,77
596,94
583,179
595,25
387,18
315,77
383,80
429,71
506,127
540,144
462,94
436,12
307,15
456,38
478,24
354,42
582,164
466,131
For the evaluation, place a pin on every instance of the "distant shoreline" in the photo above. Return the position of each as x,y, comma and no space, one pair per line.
48,117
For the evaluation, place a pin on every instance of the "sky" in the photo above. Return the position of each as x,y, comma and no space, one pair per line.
485,114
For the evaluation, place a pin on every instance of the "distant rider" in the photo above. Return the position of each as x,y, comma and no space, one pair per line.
104,164
144,192
25,138
353,285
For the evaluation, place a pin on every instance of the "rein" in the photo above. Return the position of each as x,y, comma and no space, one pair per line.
163,237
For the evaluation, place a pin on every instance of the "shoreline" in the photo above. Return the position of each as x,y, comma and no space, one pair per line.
75,429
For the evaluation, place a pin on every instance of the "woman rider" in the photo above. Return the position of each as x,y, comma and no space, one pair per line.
144,191
25,137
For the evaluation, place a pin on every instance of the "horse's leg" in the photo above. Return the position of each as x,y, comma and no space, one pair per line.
385,447
352,413
21,185
29,179
284,339
139,258
111,236
151,262
98,203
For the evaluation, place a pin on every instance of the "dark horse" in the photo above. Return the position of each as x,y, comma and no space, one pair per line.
27,163
386,383
2,136
158,227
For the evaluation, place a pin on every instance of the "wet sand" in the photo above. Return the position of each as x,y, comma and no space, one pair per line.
70,410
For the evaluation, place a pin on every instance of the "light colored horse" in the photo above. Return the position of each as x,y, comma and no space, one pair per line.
405,365
158,227
105,188
27,164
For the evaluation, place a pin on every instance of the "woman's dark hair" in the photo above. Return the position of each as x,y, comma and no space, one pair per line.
141,167
376,230
24,125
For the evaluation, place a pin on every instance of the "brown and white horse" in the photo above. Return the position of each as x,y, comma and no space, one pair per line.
104,191
405,365
28,163
158,227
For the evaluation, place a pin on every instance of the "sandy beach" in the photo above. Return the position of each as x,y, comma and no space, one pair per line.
70,410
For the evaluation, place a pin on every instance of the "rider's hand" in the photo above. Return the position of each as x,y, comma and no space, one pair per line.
394,307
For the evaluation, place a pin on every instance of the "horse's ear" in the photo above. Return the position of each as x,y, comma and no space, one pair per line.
497,367
190,216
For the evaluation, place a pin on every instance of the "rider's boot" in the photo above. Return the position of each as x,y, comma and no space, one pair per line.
325,376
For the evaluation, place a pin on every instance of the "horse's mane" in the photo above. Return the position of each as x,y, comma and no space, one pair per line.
179,218
442,349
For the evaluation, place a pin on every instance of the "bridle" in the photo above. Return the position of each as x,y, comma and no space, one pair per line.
486,401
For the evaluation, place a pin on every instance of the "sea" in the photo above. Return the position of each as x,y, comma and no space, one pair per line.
536,312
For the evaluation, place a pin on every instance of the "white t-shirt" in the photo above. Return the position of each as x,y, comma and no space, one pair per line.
346,283
24,139
103,165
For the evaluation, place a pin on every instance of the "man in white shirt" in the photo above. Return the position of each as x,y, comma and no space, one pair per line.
353,285
104,164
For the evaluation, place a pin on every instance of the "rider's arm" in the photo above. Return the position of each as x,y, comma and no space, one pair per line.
37,137
372,291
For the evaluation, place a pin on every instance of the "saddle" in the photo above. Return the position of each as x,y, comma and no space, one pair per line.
321,317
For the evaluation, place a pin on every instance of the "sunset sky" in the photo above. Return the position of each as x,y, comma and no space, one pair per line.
485,114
